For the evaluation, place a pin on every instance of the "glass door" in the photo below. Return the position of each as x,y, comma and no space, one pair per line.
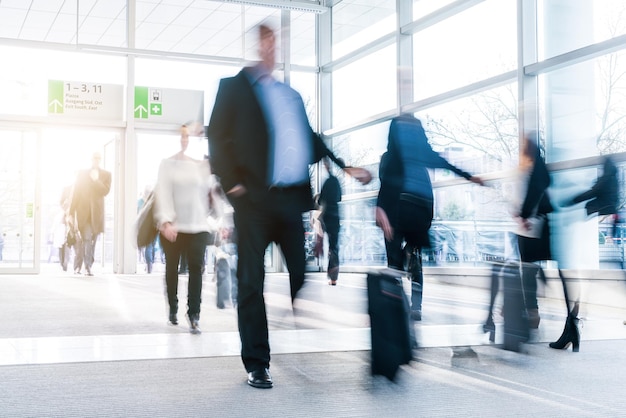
20,197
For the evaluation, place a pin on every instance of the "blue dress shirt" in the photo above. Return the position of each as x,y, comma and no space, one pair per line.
289,131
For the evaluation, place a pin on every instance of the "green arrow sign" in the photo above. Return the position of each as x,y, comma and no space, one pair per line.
56,96
141,103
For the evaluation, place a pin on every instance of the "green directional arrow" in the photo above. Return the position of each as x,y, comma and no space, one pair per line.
56,98
141,102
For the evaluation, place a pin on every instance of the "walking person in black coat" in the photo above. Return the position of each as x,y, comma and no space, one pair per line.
329,199
602,198
261,145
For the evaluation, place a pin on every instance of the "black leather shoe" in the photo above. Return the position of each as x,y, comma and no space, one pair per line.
173,319
260,379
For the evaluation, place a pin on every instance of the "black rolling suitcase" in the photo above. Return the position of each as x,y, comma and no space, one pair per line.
516,328
388,308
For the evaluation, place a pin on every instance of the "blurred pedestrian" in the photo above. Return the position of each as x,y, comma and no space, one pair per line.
329,199
404,208
87,206
602,199
182,208
534,226
261,146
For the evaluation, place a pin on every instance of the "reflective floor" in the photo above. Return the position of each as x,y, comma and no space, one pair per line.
65,318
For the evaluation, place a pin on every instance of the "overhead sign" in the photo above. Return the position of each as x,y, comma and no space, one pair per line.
161,105
85,100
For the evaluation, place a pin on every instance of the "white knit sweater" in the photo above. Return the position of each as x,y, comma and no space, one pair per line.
182,194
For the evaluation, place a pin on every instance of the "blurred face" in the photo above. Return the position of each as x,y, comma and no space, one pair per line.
184,139
95,160
267,48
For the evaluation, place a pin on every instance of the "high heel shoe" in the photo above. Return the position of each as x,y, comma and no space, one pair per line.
570,334
490,327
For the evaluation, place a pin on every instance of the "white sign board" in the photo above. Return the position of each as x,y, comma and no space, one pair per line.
79,99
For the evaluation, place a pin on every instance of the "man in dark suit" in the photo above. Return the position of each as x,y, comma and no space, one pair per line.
261,145
92,185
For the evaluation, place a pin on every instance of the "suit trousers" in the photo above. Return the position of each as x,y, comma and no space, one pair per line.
258,225
88,243
194,245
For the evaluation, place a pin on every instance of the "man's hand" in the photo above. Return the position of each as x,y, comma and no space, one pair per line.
360,174
383,222
237,191
477,180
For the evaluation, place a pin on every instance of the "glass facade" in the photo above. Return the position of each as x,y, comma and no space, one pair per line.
481,73
598,20
365,87
468,47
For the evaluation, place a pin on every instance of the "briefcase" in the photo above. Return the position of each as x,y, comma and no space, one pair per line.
388,308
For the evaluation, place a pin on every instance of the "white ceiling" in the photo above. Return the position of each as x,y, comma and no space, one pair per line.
202,27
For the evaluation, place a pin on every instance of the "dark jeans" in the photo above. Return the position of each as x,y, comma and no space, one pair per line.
194,245
257,227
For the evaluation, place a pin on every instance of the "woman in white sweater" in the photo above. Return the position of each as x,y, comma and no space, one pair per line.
183,195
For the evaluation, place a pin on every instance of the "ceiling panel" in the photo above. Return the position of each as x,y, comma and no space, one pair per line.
16,4
115,34
12,17
33,34
173,33
108,8
39,20
63,29
143,9
94,25
164,14
10,32
45,5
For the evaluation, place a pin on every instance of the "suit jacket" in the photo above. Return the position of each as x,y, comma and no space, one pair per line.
88,200
239,144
